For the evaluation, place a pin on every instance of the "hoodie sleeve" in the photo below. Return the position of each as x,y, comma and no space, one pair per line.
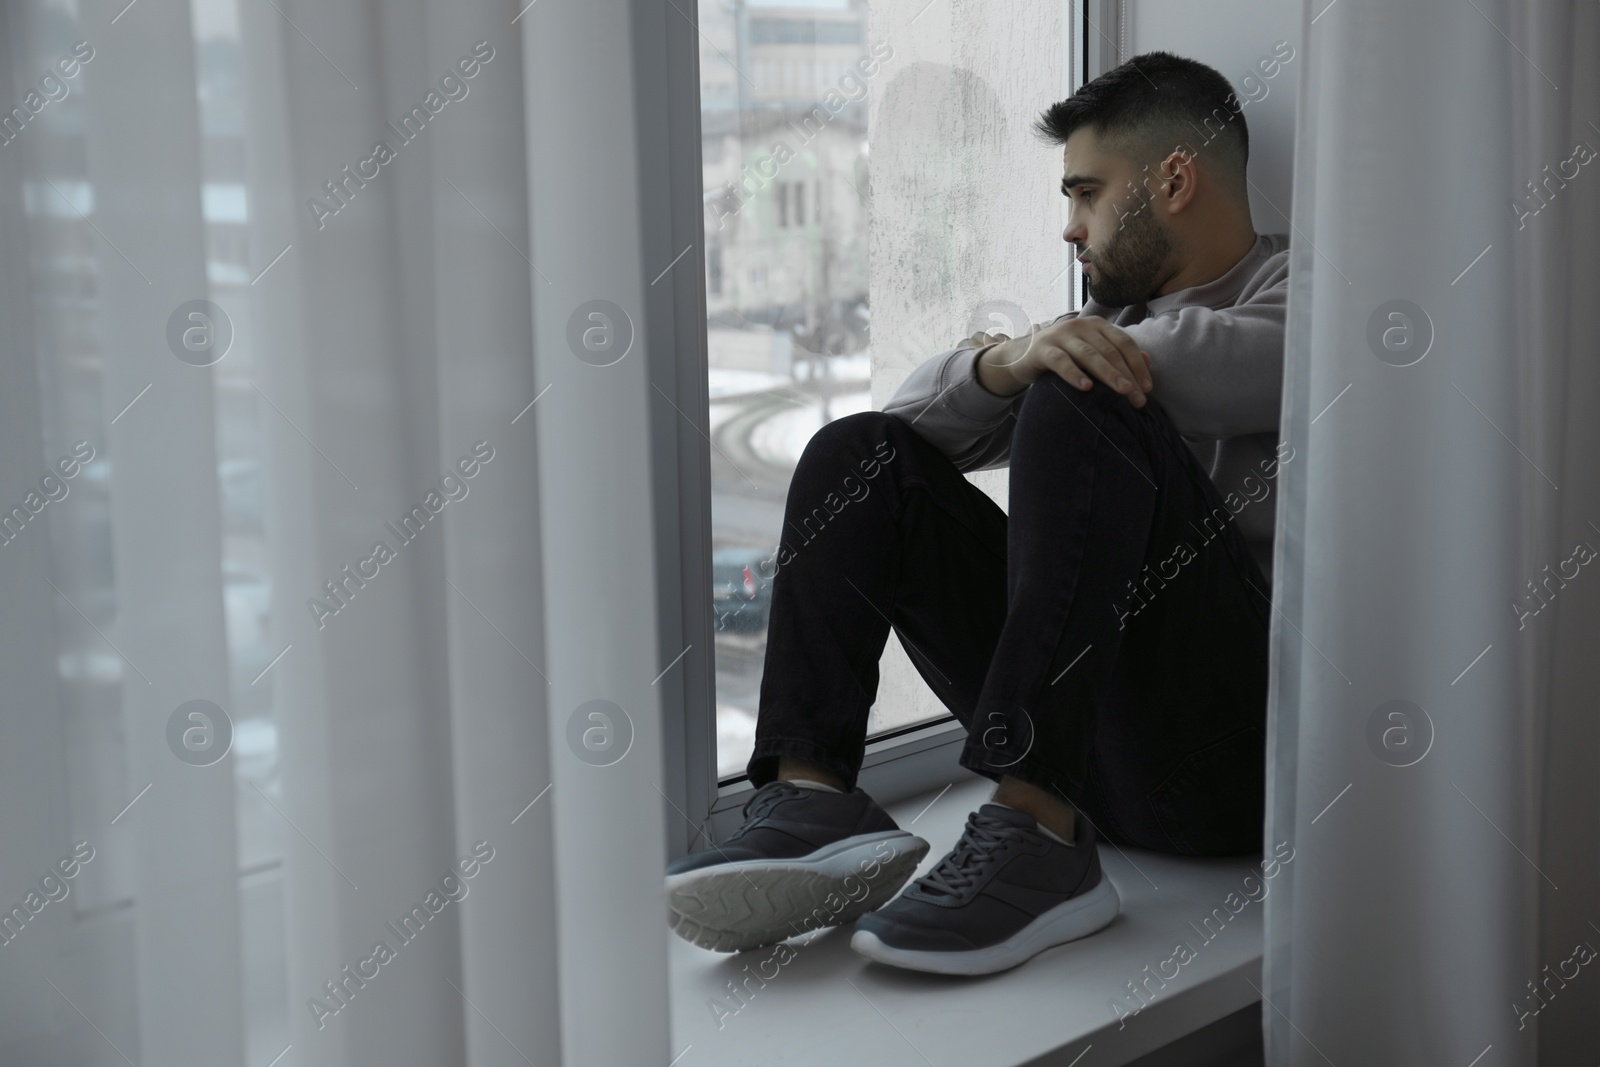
1218,372
944,401
949,408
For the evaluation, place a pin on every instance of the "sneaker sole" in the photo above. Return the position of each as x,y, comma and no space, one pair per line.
1067,921
732,907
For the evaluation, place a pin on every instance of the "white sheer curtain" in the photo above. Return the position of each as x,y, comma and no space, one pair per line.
1433,710
375,736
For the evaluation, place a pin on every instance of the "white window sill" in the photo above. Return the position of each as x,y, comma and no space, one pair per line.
828,1005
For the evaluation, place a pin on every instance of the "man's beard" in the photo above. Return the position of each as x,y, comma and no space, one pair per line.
1127,269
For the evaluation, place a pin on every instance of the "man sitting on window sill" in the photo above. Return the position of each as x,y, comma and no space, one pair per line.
1106,643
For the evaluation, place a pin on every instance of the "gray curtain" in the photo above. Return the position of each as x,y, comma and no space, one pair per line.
1434,735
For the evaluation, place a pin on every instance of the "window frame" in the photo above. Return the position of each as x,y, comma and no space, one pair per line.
702,808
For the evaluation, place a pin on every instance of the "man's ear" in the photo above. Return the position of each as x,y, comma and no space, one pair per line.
1177,175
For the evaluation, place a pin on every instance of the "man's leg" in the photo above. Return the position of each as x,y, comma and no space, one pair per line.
880,528
1131,673
1143,713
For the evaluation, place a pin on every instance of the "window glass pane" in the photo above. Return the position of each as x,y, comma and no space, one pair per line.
786,293
959,206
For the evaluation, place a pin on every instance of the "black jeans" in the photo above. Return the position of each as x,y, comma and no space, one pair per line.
1103,641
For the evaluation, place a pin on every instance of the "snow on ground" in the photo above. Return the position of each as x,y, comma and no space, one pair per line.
856,366
780,439
736,738
725,381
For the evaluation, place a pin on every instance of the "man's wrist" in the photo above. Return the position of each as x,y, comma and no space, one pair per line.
992,368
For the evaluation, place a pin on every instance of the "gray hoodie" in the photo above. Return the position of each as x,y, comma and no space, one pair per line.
1217,363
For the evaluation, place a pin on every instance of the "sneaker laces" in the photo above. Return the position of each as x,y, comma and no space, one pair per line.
972,857
765,799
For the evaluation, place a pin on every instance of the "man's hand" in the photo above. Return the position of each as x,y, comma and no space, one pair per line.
1074,349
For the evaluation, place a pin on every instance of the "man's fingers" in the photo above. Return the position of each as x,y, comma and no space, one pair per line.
1087,357
1064,365
1086,347
1117,370
1071,359
1115,374
1130,355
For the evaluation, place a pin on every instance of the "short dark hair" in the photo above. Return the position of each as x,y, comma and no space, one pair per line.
1153,103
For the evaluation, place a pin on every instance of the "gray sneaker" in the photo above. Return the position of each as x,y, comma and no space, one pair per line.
804,859
1005,893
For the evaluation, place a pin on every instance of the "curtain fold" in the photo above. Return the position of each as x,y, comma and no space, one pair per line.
1432,713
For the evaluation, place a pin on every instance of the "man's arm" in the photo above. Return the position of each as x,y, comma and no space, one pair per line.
1218,372
963,401
944,401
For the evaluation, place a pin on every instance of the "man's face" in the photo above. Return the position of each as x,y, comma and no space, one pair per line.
1124,246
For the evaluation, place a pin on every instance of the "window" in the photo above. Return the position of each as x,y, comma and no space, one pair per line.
791,203
788,351
807,31
789,290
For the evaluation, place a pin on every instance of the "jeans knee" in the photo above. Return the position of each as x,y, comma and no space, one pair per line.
1054,410
864,437
1050,394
